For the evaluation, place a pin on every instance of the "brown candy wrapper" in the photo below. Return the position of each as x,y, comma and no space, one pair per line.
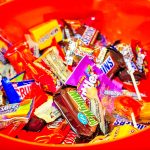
124,75
88,35
75,110
113,62
35,124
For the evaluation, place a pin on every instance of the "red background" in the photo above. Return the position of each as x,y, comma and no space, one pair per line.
117,19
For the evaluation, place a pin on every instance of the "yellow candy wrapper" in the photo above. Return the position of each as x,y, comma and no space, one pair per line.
117,133
45,32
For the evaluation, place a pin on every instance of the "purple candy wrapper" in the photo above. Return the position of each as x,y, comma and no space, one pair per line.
86,75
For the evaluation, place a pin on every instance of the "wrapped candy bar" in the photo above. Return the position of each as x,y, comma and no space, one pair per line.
123,92
67,30
54,62
14,112
44,33
23,87
47,111
12,95
117,132
112,63
87,35
75,110
122,122
53,133
22,59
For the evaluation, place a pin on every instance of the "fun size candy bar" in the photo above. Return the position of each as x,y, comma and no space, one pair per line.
75,110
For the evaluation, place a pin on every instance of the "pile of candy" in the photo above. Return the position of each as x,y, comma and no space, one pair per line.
66,84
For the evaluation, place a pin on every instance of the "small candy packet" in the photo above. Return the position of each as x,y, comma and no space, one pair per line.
45,32
47,111
54,62
15,112
76,112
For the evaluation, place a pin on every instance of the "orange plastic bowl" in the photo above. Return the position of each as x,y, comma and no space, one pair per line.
117,19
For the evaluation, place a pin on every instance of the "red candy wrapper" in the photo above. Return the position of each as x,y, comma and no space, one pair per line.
48,135
22,59
70,138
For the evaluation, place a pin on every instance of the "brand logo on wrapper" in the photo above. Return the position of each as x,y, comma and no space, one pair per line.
83,108
23,90
123,122
88,35
8,108
82,118
48,35
107,65
89,81
23,87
